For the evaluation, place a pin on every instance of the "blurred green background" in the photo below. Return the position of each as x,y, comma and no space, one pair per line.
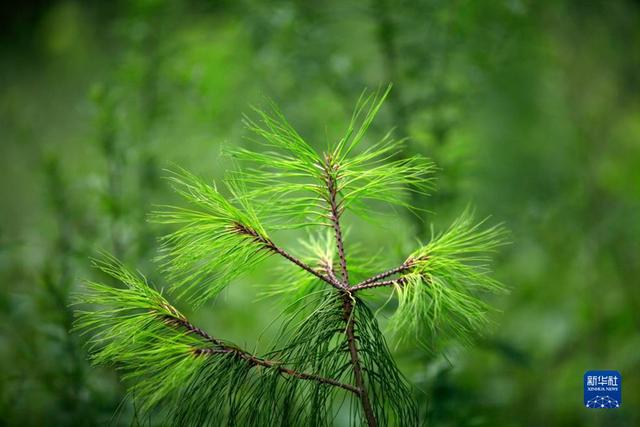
531,110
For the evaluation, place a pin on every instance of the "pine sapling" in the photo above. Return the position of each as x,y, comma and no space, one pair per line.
330,356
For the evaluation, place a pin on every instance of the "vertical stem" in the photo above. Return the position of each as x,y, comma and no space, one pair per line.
355,361
347,298
332,186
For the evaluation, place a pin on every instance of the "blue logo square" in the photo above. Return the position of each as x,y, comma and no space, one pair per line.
602,389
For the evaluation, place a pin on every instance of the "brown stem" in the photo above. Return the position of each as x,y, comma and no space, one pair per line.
375,282
347,298
332,186
302,375
328,268
269,245
400,269
401,281
184,323
355,361
222,348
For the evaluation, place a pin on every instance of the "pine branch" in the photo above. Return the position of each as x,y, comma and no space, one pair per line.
222,348
407,265
182,321
398,282
440,289
137,328
331,170
268,244
328,268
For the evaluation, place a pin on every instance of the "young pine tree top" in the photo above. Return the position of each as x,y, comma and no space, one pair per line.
331,357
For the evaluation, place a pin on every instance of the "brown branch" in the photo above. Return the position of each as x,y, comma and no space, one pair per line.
375,282
269,245
180,321
332,187
222,348
302,375
328,268
408,264
400,281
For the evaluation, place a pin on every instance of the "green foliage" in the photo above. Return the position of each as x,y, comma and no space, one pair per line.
206,253
331,356
130,328
288,177
447,275
313,340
